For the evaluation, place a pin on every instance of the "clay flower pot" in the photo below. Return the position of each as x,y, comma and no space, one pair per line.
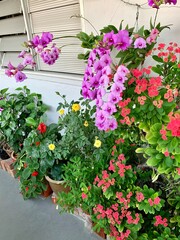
47,192
7,149
57,186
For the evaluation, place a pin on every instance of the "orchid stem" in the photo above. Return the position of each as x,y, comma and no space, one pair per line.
155,18
69,45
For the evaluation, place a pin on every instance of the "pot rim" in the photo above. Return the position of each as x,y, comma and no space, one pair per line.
54,181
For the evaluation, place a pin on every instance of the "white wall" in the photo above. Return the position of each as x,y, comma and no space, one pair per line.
104,12
47,85
99,13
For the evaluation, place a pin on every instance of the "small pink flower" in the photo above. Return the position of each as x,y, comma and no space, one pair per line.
157,200
151,203
166,153
84,196
178,171
139,196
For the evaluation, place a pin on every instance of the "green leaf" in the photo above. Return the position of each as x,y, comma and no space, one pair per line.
140,150
156,128
140,31
30,106
26,173
152,162
108,29
173,144
168,162
157,59
120,26
150,151
3,91
151,139
156,70
31,122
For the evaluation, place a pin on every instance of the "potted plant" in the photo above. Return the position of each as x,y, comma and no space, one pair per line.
36,157
78,136
137,195
131,206
16,109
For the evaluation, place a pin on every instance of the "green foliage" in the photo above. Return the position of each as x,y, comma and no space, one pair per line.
78,130
36,156
17,108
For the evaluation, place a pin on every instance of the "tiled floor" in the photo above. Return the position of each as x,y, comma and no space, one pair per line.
35,219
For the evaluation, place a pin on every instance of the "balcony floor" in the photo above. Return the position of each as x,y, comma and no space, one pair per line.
35,219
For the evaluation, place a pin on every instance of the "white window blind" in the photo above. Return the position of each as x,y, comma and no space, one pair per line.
12,31
56,17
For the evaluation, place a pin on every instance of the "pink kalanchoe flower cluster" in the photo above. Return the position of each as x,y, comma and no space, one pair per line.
163,132
160,221
105,182
119,235
174,125
139,196
152,202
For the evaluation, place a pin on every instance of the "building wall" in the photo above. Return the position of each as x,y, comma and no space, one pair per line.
104,12
99,13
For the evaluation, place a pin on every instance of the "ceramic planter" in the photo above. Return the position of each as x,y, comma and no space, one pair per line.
57,186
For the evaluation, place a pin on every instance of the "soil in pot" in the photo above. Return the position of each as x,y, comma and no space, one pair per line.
3,154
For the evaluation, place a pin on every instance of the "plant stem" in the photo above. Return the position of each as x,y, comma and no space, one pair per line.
155,18
64,37
69,45
79,16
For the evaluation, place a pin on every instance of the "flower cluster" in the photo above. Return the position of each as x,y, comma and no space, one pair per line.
123,215
104,82
174,125
160,221
157,3
40,46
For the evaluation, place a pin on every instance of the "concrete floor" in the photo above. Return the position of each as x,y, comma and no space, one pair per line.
35,219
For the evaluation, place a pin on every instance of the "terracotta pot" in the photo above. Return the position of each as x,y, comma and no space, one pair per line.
13,156
47,192
101,233
7,149
57,186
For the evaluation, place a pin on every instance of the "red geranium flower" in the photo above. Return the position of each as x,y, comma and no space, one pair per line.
34,174
42,128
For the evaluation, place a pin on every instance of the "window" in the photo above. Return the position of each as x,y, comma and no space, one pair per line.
55,16
12,31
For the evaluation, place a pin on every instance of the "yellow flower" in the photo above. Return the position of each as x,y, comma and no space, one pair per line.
61,111
51,146
86,124
97,143
76,107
